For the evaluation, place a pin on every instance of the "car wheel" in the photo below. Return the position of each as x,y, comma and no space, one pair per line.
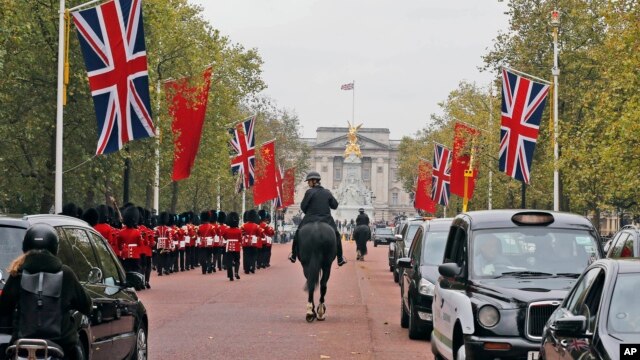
434,351
390,268
404,317
414,331
142,347
375,244
82,352
396,276
461,353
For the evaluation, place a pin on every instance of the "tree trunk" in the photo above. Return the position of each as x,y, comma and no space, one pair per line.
47,178
89,200
125,180
148,196
174,197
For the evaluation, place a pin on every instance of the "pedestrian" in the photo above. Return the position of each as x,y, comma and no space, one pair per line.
232,236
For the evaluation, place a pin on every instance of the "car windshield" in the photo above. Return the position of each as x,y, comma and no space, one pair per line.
531,251
433,249
10,246
384,231
408,239
624,312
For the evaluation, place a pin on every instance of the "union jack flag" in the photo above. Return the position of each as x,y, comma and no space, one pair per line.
112,41
348,86
523,102
441,175
243,144
279,177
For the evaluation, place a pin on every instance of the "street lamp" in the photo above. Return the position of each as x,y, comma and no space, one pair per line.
373,202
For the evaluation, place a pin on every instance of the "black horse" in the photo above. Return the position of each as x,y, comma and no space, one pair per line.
316,251
361,235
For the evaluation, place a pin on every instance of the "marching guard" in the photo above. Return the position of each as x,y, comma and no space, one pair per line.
164,237
222,226
232,237
148,242
206,232
251,232
130,240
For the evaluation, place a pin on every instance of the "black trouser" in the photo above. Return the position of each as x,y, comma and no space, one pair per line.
154,258
217,257
232,261
174,261
205,259
245,259
181,259
163,261
294,245
262,257
131,265
268,256
145,262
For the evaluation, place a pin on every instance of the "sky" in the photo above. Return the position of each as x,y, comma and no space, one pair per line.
405,56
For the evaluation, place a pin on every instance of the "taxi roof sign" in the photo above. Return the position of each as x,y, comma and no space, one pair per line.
532,218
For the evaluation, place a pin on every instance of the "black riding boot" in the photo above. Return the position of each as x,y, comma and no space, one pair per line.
294,247
341,260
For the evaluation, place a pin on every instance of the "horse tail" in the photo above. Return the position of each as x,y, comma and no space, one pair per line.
314,271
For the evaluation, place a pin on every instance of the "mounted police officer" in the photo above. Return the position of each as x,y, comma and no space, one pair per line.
363,218
316,205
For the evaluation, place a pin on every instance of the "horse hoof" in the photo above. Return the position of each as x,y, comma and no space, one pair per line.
322,309
311,317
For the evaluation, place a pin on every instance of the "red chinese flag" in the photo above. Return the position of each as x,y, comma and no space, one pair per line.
462,144
422,199
188,105
288,187
265,187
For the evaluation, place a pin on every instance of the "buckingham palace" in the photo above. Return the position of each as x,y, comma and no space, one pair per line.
367,181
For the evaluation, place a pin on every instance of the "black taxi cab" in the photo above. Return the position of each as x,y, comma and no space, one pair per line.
504,273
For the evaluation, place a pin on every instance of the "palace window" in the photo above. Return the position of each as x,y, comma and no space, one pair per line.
380,169
366,174
337,174
394,198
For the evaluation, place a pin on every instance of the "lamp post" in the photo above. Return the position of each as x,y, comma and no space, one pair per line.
555,71
373,205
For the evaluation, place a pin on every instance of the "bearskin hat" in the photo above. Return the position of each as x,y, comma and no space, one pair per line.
262,213
131,217
204,216
245,216
163,220
195,220
141,217
172,219
91,216
213,216
79,212
233,220
252,216
70,209
103,214
222,217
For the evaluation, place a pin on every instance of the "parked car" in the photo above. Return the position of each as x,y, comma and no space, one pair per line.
118,325
625,243
383,236
420,273
600,313
400,247
504,273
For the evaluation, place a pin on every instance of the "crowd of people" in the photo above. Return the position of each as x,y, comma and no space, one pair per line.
170,243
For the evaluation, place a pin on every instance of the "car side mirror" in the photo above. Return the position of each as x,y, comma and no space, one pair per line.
95,275
570,326
135,280
398,237
449,270
404,262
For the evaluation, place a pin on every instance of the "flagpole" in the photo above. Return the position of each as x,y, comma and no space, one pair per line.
490,205
59,110
218,196
244,200
555,22
353,104
156,185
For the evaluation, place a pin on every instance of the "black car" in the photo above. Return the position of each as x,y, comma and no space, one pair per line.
400,247
383,236
625,243
504,272
118,325
600,313
420,275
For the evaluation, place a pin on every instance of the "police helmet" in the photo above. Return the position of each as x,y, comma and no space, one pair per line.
361,210
313,175
41,236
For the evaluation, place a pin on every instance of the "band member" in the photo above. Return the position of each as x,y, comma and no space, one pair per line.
206,232
164,237
173,257
269,234
232,237
218,246
195,240
107,231
190,241
130,240
222,225
148,242
251,232
266,238
182,240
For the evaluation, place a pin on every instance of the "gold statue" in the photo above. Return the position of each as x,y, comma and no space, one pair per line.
352,146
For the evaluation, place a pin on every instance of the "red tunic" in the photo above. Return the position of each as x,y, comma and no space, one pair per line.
251,234
109,233
206,232
192,234
148,240
130,242
218,240
233,238
267,232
